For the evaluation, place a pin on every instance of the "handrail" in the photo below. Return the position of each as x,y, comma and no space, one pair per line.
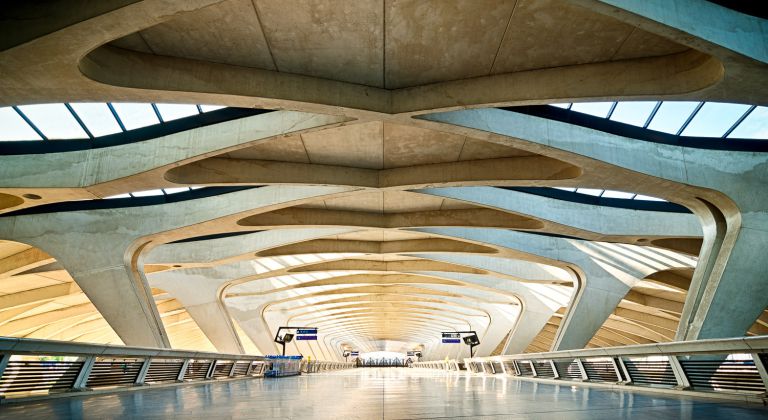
732,368
47,347
708,346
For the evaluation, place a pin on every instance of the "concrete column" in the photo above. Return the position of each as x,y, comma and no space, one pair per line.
109,243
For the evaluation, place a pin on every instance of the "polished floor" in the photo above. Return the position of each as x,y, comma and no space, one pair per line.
383,393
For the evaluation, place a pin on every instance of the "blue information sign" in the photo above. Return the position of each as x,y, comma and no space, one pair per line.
306,337
354,353
451,341
311,331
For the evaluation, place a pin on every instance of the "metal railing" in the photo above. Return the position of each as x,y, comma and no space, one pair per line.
449,365
321,366
735,367
38,367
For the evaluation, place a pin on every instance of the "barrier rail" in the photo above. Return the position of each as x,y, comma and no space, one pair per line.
727,367
449,365
316,366
39,367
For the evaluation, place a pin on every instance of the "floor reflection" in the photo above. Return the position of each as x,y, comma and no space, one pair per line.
388,393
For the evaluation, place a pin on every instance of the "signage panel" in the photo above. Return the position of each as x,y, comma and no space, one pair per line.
451,340
306,337
354,353
451,335
310,331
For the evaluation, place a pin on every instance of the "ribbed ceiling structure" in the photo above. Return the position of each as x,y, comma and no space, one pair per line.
364,171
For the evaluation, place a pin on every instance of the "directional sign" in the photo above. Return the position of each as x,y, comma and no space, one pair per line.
310,331
306,337
355,353
451,335
411,353
451,340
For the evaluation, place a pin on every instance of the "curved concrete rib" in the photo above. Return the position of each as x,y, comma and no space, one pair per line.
109,244
85,168
502,319
728,202
602,220
607,271
198,289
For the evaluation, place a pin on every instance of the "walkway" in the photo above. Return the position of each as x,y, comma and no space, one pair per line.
394,393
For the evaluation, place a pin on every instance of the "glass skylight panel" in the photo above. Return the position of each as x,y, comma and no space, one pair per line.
13,127
598,109
714,119
126,195
589,191
134,115
97,117
54,120
671,116
634,113
171,112
564,106
147,193
175,190
647,198
617,194
566,189
209,108
755,126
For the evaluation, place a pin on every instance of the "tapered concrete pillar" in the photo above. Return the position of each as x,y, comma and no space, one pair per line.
100,249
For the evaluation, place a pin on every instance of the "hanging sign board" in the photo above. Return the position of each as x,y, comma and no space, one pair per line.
306,337
451,338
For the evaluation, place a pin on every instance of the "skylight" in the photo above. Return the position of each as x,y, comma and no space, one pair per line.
610,194
87,120
150,193
691,119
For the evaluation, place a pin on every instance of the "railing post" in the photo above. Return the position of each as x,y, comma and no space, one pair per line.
143,371
554,369
582,369
4,359
232,370
248,371
211,369
85,372
533,368
503,366
617,369
680,377
626,371
758,364
183,370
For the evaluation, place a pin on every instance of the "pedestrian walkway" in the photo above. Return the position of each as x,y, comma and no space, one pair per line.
382,393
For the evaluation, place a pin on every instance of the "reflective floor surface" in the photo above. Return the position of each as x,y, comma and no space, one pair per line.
383,393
